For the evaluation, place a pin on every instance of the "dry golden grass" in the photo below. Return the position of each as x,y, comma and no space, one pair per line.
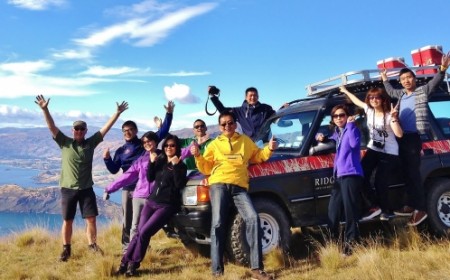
406,254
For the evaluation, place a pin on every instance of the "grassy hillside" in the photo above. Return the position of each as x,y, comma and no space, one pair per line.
406,254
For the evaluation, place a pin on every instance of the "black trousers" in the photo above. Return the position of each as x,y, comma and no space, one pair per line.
385,165
345,196
410,146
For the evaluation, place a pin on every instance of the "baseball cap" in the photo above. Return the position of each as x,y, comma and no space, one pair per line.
79,124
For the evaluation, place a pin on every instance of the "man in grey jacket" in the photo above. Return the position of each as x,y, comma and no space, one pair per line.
413,116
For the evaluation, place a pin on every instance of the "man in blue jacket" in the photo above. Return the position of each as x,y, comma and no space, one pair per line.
124,157
250,115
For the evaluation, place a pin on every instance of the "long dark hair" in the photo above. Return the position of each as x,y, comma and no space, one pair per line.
177,144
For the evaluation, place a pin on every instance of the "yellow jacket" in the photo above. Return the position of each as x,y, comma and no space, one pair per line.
226,159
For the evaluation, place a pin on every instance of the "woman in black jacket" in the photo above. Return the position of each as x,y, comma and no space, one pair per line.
169,173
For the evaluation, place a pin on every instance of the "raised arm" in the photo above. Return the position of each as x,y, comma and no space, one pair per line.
395,124
120,108
352,97
397,93
213,94
440,75
43,104
165,126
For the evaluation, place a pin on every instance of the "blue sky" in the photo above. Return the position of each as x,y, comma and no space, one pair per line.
86,55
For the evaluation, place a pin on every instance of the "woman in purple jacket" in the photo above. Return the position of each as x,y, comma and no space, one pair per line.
348,176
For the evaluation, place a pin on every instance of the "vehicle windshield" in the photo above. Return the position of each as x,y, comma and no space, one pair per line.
291,130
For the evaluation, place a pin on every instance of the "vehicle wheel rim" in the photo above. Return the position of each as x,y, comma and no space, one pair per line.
443,208
270,232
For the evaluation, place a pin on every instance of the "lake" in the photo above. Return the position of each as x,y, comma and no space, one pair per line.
16,222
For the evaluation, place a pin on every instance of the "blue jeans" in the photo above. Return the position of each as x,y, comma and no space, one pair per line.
222,195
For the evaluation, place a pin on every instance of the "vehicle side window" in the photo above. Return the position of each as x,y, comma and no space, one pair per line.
440,112
290,130
325,129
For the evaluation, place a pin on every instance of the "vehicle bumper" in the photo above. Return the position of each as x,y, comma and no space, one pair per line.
194,223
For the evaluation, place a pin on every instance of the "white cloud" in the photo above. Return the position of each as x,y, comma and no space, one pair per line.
110,33
20,117
73,54
153,32
143,32
37,4
181,93
145,7
26,67
181,74
102,71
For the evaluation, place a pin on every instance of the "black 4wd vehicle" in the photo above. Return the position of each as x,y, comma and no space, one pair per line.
293,188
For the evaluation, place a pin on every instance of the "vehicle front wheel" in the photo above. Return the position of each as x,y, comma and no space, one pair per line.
438,206
275,231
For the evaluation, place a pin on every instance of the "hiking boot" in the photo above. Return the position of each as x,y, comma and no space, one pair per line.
95,248
417,218
132,270
65,255
405,211
258,274
122,269
384,216
372,213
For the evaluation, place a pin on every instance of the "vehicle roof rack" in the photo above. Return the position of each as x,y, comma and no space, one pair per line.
361,79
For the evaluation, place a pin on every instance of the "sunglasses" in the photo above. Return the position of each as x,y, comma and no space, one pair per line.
199,126
128,130
374,97
79,128
227,123
169,146
342,115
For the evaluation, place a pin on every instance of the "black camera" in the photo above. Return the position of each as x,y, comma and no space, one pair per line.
213,90
378,144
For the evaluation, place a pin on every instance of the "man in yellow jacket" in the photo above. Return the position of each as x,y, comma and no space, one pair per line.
226,160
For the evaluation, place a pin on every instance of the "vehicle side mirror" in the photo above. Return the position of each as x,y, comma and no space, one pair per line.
323,148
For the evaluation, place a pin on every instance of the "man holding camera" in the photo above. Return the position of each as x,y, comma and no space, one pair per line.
251,115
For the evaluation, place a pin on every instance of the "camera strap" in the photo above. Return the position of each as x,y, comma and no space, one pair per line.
206,107
384,132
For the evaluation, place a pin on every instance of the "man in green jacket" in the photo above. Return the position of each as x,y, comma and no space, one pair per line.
200,138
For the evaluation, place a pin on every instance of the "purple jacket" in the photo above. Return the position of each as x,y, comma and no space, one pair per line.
138,171
348,158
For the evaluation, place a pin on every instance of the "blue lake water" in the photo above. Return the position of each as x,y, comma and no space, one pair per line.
16,222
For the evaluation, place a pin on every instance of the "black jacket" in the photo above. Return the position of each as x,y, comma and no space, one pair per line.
169,180
251,118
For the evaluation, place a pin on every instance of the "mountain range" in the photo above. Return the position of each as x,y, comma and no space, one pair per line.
35,148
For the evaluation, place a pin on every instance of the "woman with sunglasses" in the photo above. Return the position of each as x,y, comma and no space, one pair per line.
382,149
137,173
348,175
168,172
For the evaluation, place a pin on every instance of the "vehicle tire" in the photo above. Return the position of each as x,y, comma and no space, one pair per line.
438,206
275,227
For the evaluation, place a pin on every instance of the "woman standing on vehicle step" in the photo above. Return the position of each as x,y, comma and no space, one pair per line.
382,149
349,176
